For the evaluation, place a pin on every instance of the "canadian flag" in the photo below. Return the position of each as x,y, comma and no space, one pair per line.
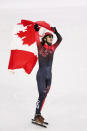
23,52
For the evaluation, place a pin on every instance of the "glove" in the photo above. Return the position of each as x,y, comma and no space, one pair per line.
36,27
57,34
55,30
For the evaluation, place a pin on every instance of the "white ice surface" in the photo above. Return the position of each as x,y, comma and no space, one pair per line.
66,104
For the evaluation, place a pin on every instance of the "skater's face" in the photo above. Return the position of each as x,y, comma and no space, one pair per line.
49,38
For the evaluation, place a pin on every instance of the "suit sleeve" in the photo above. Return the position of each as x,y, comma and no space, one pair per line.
37,39
59,39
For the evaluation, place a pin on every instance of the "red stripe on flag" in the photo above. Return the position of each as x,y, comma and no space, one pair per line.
22,59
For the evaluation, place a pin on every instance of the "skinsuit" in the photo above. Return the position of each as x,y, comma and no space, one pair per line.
45,59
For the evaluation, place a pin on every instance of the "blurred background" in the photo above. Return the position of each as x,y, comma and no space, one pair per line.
65,107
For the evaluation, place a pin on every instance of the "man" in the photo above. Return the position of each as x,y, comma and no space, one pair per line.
44,75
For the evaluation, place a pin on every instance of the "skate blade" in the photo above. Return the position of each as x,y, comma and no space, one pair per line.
39,124
43,122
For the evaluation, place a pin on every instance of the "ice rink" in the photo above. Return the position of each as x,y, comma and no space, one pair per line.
65,107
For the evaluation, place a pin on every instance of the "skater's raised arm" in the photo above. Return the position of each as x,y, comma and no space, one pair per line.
59,38
36,27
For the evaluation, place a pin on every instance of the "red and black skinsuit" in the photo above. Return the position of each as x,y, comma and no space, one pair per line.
44,74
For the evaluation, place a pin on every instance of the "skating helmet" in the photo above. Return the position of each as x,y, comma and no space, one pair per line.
47,34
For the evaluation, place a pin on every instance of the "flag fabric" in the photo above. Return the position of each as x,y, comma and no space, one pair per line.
22,58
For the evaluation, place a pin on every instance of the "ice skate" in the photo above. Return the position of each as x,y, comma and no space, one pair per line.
39,120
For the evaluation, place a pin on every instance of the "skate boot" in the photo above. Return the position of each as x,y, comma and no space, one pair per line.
39,119
42,117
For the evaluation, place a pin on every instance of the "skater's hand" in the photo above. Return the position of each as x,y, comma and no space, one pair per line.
36,27
57,34
54,29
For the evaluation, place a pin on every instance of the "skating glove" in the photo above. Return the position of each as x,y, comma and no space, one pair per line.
36,27
57,34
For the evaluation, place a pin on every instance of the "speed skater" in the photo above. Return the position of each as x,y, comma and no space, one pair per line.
44,74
